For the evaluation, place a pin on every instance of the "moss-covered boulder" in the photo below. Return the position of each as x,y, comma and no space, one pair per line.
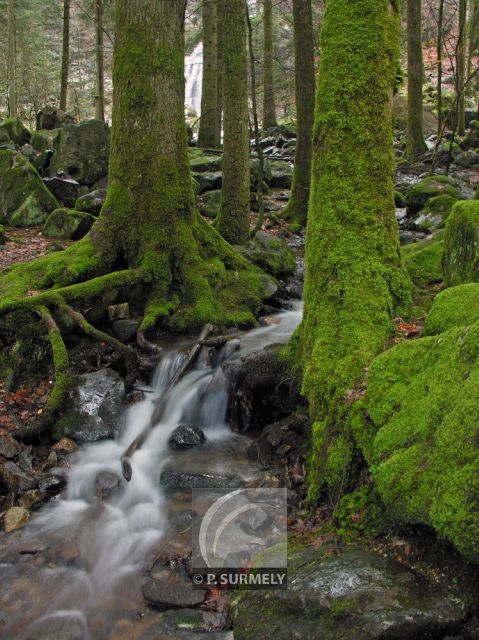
461,244
270,254
4,136
16,130
68,224
209,203
44,139
471,141
2,234
24,199
91,202
82,151
423,260
206,181
206,163
435,213
418,427
281,174
454,307
418,195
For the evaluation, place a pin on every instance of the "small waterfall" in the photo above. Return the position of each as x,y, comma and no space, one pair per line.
194,78
96,549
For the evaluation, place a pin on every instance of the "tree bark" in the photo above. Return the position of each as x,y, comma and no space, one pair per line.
415,144
219,68
233,220
354,279
461,68
297,207
65,55
208,133
269,106
100,76
12,61
440,39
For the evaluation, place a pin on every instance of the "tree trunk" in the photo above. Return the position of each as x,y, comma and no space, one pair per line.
297,207
354,279
461,68
219,68
416,145
440,39
12,61
269,107
208,133
233,221
65,55
99,78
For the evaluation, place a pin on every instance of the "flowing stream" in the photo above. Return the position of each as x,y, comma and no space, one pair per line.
74,572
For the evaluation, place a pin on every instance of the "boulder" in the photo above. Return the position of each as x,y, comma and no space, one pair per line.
207,181
467,159
186,436
9,447
125,329
67,224
423,260
461,244
400,116
262,390
15,518
210,203
454,307
43,140
281,174
82,151
417,428
65,190
91,202
471,141
106,483
288,131
206,163
172,593
270,253
187,480
359,595
50,118
399,200
418,195
24,199
285,439
434,214
94,407
254,171
16,130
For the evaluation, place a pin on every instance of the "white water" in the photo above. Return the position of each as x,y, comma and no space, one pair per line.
109,542
194,78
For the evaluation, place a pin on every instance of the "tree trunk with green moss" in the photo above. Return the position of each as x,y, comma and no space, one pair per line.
219,67
233,220
11,61
415,144
269,103
208,133
100,75
354,279
461,68
65,55
297,207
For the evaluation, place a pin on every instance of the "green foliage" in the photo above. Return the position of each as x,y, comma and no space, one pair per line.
359,515
461,244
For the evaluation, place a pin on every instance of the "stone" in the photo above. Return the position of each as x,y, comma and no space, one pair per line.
359,595
91,202
106,483
65,444
286,436
270,253
172,594
186,436
15,518
209,203
50,118
82,151
9,447
43,140
285,130
186,480
125,330
67,224
206,163
27,150
16,480
467,159
94,407
32,498
65,190
207,181
418,195
281,174
461,244
16,130
119,311
471,141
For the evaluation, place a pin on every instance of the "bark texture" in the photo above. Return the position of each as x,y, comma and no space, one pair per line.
65,55
100,76
269,104
297,207
11,61
415,144
461,68
208,133
233,221
354,279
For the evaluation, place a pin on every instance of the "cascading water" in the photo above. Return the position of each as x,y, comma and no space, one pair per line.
193,78
90,552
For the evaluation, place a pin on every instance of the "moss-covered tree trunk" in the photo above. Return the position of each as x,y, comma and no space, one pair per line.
439,55
297,207
354,279
415,71
208,133
461,68
219,67
65,55
100,75
233,221
11,61
269,103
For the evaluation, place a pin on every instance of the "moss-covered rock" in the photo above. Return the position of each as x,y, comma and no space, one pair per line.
68,224
24,199
436,212
454,307
82,151
418,428
471,141
91,202
281,174
206,181
399,200
461,244
209,204
17,131
270,254
4,136
419,194
44,139
423,260
206,163
2,234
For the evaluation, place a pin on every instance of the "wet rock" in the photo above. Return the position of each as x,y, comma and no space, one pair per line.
125,330
94,407
195,620
106,483
359,595
32,498
51,484
419,194
15,518
9,447
186,480
65,190
269,253
67,224
91,202
287,438
186,436
65,444
172,594
261,391
208,181
15,479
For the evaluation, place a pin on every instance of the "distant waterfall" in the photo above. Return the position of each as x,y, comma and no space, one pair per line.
193,78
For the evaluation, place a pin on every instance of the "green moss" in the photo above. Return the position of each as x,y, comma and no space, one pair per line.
423,261
17,131
399,199
359,515
440,205
2,234
454,307
68,224
418,429
354,279
461,244
418,195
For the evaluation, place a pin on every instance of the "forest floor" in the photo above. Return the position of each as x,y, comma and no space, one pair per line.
23,245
